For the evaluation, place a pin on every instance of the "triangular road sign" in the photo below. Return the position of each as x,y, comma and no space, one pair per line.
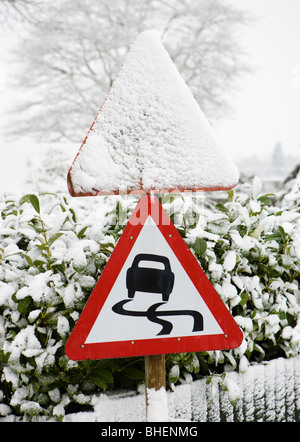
150,133
152,297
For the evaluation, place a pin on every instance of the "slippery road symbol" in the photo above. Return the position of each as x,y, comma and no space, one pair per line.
148,279
154,280
154,316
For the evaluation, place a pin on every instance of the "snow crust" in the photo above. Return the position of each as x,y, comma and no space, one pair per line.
150,133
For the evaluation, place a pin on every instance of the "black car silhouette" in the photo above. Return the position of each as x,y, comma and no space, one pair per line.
147,279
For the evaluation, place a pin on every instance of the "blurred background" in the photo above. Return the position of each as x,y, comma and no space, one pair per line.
240,58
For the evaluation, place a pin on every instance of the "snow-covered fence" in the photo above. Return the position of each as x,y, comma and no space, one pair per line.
269,392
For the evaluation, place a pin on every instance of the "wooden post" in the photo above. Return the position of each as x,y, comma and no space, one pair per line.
155,375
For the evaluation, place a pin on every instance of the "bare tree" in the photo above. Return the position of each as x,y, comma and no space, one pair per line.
70,54
16,10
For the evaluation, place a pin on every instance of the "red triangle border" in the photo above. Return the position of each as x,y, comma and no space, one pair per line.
77,349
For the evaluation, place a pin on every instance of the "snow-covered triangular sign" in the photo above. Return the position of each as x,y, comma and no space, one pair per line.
150,133
152,297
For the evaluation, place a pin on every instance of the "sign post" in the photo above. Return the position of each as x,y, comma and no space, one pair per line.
152,298
155,376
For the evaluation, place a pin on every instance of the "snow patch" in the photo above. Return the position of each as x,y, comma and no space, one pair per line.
229,261
63,326
157,410
6,291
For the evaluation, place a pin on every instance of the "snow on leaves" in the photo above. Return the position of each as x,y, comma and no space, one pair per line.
49,263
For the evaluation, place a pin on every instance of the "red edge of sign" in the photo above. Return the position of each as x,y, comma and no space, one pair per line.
76,348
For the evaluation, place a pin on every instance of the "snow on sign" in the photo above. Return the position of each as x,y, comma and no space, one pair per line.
150,133
152,297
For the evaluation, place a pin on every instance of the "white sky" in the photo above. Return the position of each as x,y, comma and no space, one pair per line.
267,110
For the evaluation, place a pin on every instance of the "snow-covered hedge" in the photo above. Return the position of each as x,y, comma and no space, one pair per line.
51,258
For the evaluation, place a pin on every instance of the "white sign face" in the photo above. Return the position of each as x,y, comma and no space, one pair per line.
152,297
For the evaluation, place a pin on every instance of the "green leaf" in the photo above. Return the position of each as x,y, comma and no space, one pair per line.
54,238
190,220
38,263
28,260
3,358
282,233
24,199
279,236
253,314
59,267
174,374
37,229
222,208
42,246
23,305
106,375
200,246
282,315
135,373
230,194
265,200
81,233
258,348
63,360
208,380
273,236
101,377
33,200
97,381
73,215
244,298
